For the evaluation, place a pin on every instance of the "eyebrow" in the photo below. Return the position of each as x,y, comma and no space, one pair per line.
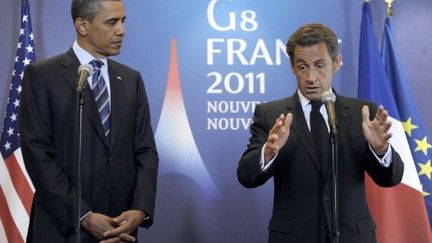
298,60
304,61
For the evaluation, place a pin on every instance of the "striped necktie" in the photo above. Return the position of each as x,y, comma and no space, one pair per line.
100,93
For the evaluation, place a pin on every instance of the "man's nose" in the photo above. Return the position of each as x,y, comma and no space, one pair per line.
311,75
121,29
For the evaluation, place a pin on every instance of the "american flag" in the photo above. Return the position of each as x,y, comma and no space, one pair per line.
16,189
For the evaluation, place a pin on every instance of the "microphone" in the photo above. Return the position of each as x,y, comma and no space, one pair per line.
84,71
329,98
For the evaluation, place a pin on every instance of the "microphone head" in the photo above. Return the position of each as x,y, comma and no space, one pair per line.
85,67
328,96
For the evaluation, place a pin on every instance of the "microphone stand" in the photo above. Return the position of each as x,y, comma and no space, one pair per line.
80,103
334,185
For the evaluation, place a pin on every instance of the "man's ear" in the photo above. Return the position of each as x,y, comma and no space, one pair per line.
337,63
81,25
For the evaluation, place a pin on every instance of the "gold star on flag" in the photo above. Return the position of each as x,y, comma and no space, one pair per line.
408,126
425,193
422,145
426,169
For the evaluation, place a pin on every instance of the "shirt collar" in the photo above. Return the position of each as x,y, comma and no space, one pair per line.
303,100
84,56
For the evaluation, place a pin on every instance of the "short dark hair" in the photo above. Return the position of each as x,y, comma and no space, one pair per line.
86,9
312,34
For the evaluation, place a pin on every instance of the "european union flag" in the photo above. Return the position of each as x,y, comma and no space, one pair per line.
399,212
410,116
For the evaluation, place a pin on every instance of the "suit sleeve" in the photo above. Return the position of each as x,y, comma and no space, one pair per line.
53,189
146,158
383,176
249,171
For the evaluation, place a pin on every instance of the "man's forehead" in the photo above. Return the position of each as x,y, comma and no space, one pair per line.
111,9
312,53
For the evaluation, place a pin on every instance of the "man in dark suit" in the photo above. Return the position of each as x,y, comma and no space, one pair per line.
282,147
119,157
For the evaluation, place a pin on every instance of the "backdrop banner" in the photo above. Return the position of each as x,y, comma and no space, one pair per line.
206,65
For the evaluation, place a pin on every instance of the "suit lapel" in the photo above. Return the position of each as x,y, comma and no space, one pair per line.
71,64
117,98
301,129
342,110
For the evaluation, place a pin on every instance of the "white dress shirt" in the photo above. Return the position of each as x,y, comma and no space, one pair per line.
85,58
307,108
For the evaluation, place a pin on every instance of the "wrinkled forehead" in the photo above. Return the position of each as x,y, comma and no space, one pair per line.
311,53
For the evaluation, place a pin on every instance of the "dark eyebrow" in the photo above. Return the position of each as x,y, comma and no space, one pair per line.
319,61
299,60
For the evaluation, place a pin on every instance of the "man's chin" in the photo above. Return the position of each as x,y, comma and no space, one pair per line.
114,52
313,95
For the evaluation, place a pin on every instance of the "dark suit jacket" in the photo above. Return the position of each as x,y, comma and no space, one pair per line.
302,205
116,176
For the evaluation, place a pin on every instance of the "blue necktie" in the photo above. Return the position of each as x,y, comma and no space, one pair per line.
100,93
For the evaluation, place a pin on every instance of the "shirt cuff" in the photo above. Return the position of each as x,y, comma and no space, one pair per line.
85,215
385,160
264,166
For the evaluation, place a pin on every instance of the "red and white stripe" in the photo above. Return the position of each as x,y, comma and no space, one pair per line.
16,195
400,212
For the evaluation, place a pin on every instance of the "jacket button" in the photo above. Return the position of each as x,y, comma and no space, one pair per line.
108,189
326,197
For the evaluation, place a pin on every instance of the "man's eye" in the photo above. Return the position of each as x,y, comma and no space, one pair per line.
111,22
301,67
321,65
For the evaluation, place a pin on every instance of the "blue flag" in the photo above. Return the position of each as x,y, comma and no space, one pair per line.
399,212
410,117
372,79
